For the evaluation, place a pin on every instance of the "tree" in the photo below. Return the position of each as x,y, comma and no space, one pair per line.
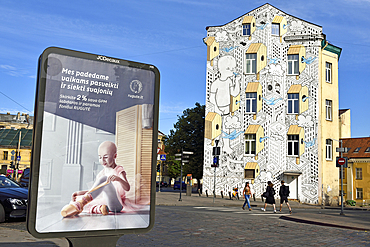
188,134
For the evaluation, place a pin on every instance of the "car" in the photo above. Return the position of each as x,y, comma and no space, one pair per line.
176,186
163,184
25,178
13,199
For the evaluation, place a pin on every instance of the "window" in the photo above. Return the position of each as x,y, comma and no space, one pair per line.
359,193
328,104
251,63
293,103
5,155
293,145
367,150
247,29
328,72
250,144
329,149
249,173
344,174
293,64
357,150
359,173
251,102
275,30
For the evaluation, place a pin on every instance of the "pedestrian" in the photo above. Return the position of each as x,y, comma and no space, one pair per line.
269,194
246,195
284,193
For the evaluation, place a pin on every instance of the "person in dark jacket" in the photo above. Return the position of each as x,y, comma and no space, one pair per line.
284,193
270,199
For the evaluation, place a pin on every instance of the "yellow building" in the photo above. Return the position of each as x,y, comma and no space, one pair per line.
356,179
10,151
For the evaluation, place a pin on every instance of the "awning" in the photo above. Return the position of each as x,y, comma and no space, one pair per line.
251,165
295,49
248,19
252,87
294,130
253,48
295,88
252,129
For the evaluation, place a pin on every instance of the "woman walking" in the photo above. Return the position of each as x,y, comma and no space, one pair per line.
270,192
246,195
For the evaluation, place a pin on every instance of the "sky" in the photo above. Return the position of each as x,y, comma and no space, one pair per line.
168,34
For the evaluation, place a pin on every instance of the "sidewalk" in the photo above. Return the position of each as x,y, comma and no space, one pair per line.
355,218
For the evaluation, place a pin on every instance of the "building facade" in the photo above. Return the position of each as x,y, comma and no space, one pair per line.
272,106
356,178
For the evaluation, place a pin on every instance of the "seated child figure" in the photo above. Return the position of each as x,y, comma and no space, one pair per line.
114,192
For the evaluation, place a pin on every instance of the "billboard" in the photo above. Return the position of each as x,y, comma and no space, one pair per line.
94,146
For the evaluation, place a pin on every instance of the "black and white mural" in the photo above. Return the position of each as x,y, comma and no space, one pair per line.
262,103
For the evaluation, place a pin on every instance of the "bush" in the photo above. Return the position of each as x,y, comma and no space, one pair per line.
351,202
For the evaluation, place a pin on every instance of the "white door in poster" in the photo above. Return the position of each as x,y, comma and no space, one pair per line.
292,182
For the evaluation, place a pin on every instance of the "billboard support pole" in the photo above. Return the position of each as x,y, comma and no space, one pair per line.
93,241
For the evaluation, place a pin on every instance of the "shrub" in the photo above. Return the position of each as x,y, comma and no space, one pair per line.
351,202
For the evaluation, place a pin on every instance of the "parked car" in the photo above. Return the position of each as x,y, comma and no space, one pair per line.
13,199
163,184
25,178
176,186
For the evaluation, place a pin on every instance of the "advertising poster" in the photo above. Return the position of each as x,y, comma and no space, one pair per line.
94,144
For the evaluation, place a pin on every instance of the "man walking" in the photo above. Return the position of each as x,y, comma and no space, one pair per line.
284,193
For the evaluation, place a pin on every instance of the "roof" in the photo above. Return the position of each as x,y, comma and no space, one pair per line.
210,116
210,41
341,111
10,137
353,143
277,19
331,48
253,48
260,7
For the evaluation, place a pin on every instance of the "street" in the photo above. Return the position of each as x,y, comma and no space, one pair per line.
228,226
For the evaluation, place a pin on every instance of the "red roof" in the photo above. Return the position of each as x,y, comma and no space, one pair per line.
359,147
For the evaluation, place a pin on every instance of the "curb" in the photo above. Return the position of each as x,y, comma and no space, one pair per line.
322,224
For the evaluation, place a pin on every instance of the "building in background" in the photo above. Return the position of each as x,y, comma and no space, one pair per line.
356,179
19,121
272,104
11,127
13,152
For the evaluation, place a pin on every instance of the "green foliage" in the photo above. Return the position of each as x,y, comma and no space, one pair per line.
351,202
188,134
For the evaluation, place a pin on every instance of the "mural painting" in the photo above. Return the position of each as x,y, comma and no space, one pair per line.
262,103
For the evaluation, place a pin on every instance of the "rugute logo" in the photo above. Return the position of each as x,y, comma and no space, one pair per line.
107,59
136,86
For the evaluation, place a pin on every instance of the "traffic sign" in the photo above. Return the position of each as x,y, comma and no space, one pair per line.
342,162
163,157
342,150
18,158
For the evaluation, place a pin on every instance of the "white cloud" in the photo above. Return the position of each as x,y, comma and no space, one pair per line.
221,36
264,177
305,121
232,122
276,70
296,26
